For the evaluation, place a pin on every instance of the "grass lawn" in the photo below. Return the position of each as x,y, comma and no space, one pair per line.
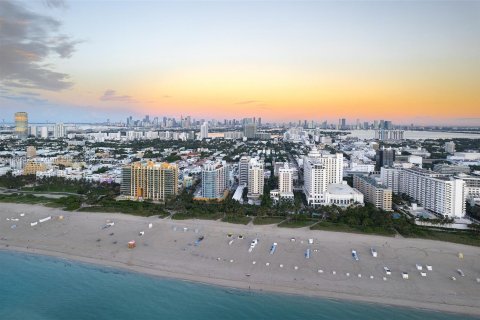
462,237
340,227
143,212
297,223
203,216
237,219
27,199
267,220
51,188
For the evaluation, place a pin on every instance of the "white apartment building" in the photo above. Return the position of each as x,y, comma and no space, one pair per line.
450,147
204,131
439,193
214,179
243,170
472,185
319,171
390,177
44,132
59,131
255,179
234,135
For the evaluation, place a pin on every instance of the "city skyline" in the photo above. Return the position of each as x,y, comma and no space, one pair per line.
279,61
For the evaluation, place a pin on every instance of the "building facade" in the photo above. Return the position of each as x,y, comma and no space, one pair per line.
243,170
440,193
32,167
379,195
342,195
255,179
285,185
21,125
389,135
150,180
204,131
472,186
320,170
450,147
31,152
250,130
59,131
214,180
384,158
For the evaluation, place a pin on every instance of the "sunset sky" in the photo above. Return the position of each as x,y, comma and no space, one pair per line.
407,61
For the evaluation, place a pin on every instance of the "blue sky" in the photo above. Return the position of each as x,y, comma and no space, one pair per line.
399,60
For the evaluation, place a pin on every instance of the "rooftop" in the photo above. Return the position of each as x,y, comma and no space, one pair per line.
371,181
341,189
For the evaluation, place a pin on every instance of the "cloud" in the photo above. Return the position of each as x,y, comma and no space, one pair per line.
28,40
247,102
25,98
55,4
111,95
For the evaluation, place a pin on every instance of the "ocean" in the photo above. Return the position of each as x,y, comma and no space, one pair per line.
34,287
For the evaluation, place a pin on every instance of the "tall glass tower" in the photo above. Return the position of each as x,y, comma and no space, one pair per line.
21,124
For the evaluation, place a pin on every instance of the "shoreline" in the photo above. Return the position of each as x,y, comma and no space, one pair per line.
232,284
174,267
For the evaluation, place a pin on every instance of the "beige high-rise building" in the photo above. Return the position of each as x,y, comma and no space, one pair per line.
31,152
255,179
378,195
21,125
285,185
150,180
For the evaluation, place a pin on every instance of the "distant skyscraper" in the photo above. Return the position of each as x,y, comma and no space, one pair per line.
31,152
44,132
21,125
59,131
33,131
344,124
250,130
450,147
204,131
259,121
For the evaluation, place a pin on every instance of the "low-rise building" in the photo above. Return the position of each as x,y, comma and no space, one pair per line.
32,167
342,195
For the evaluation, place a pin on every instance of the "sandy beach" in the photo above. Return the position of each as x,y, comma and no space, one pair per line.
168,249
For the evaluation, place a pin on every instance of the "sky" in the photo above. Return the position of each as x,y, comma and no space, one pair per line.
88,61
